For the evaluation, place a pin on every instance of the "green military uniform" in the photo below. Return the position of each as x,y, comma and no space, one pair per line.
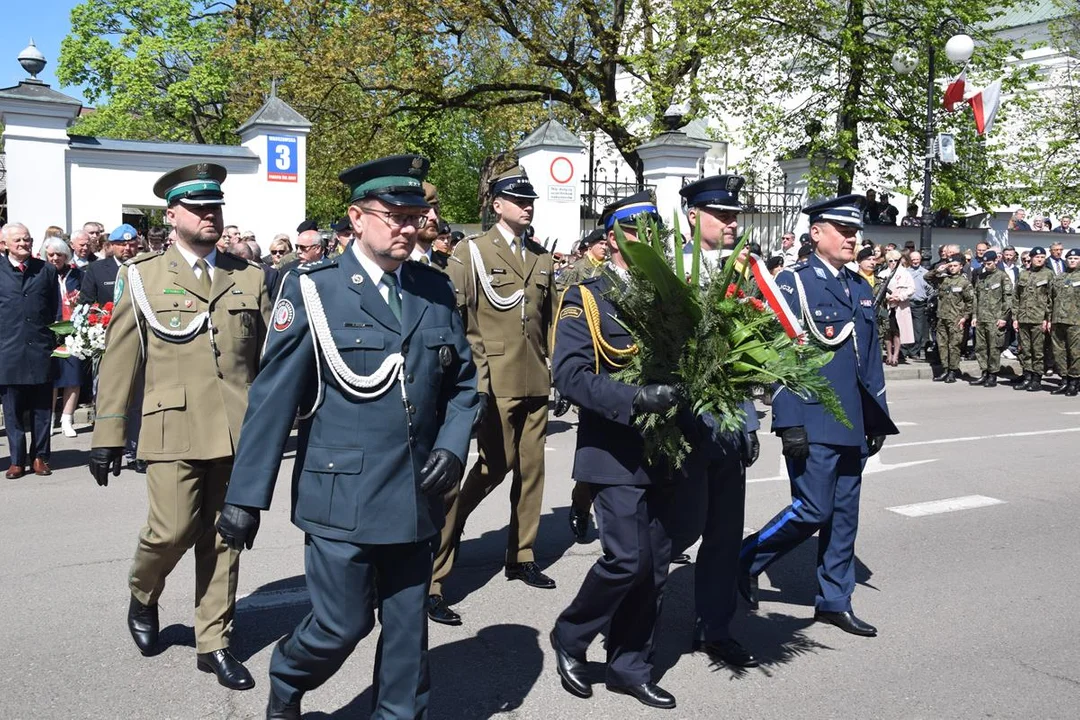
1032,309
1065,327
198,341
506,296
993,303
583,269
955,300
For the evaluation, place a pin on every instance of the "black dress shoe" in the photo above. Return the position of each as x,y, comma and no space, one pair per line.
579,526
143,624
681,559
729,651
230,672
278,709
847,622
140,466
1036,383
438,611
991,380
648,693
950,377
571,670
748,588
981,380
529,573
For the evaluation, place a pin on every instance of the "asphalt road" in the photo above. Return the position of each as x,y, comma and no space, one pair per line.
976,603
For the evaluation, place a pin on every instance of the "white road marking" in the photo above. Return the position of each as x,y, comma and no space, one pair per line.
934,507
905,424
945,441
273,599
873,465
1072,412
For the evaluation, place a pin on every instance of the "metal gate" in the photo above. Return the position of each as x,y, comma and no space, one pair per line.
768,209
599,190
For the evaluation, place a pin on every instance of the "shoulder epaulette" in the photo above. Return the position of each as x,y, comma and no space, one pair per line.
143,257
321,264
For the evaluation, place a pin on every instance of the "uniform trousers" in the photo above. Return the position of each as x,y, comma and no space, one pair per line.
989,340
185,499
37,401
1066,339
824,498
342,579
950,343
710,503
621,594
1032,346
511,440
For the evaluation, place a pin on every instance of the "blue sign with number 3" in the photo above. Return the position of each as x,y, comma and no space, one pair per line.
281,161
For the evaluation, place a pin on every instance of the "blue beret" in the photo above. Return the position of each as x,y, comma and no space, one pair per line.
719,192
844,210
1036,251
627,210
123,233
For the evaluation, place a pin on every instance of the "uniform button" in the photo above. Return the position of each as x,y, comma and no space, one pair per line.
243,304
404,347
159,404
176,304
330,466
410,378
220,376
614,414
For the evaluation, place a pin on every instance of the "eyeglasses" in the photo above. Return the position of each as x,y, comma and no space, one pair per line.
277,252
305,248
399,219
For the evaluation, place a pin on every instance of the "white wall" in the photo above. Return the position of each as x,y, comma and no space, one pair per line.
557,212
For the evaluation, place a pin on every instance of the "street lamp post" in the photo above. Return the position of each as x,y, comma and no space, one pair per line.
958,49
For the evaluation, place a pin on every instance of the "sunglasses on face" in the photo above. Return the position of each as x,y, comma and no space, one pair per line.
277,252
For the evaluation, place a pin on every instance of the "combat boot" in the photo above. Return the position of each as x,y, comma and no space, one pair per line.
1072,387
1062,388
991,380
941,375
950,377
981,380
1025,378
1036,383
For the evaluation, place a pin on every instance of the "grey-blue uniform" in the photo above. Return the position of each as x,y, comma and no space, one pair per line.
837,309
710,502
621,592
377,396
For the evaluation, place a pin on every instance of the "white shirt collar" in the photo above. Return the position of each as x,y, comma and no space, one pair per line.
373,271
190,258
14,262
417,253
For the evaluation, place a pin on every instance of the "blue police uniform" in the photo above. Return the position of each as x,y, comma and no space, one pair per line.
837,310
621,592
29,302
710,503
365,433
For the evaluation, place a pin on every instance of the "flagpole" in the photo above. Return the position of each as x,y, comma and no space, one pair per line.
927,227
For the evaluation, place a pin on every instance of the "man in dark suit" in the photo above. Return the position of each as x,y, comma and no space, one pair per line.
620,595
1065,225
29,302
825,458
99,277
371,351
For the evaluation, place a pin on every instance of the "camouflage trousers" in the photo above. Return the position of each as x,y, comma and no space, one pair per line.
989,339
950,340
1066,344
1032,341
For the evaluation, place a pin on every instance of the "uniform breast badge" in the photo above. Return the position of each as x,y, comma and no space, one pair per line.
357,279
446,357
829,331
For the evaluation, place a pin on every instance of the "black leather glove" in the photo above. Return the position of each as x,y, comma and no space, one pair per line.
562,405
104,459
237,526
481,410
753,450
655,399
796,444
441,472
874,443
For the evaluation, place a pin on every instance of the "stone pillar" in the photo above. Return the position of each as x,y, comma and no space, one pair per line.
555,161
669,161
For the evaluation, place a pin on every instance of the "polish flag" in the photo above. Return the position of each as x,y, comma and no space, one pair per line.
788,319
954,92
985,104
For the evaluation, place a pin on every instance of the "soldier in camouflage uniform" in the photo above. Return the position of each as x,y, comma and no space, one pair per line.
993,304
955,300
1033,318
1065,324
593,255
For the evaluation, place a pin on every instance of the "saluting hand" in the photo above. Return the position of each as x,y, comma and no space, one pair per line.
104,459
441,472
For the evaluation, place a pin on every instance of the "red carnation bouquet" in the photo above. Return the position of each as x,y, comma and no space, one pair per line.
84,333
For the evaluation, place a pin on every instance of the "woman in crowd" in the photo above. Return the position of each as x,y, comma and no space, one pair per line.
279,248
899,329
67,371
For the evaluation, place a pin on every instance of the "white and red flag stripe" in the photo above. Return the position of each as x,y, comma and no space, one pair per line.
954,92
776,301
985,104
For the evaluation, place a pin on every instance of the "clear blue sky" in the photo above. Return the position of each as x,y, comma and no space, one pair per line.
47,21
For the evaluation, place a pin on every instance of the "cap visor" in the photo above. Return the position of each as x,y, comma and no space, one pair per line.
521,195
403,200
202,201
717,206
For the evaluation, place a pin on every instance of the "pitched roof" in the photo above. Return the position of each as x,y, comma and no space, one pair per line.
551,132
39,91
1030,13
275,111
84,142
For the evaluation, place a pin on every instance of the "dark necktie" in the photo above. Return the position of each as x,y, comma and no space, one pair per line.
204,277
393,299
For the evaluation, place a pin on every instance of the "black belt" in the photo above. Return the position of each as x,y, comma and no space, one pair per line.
919,303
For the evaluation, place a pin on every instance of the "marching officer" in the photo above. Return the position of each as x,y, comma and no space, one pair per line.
621,593
369,349
710,503
506,292
193,319
1032,320
825,459
993,305
1065,324
956,298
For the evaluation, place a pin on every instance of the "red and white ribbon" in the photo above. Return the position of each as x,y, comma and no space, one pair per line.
769,290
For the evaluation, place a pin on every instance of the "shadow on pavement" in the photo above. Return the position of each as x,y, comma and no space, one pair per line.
794,577
478,677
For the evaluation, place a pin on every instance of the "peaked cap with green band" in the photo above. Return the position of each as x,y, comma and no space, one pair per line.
198,184
396,180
